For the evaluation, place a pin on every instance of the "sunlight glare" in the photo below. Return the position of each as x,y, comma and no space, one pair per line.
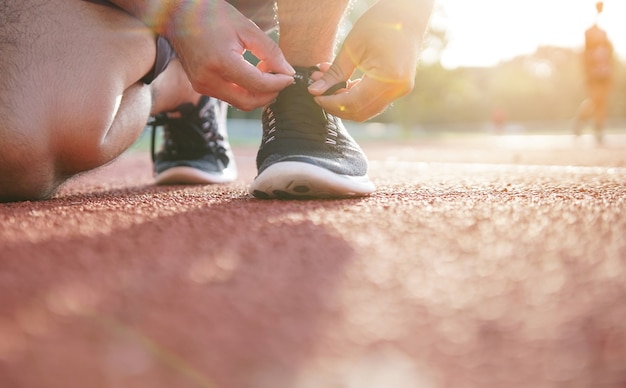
485,32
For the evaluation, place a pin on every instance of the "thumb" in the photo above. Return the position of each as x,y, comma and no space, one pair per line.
338,73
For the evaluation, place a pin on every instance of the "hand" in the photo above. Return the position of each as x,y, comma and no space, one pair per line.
210,39
384,43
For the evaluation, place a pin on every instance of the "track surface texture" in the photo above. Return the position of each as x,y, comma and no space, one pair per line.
478,262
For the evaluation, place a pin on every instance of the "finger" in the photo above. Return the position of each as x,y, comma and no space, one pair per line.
246,75
362,101
239,97
267,51
340,71
323,68
338,87
263,67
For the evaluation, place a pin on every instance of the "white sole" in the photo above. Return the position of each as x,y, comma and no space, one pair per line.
304,180
193,176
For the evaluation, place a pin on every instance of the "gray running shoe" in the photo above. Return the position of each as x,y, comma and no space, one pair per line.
195,148
306,152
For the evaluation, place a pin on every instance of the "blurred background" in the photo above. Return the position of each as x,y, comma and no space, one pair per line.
492,66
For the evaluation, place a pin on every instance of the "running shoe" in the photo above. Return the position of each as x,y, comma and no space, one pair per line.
306,152
195,145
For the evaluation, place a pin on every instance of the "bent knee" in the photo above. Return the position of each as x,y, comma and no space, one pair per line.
26,188
28,168
26,176
26,183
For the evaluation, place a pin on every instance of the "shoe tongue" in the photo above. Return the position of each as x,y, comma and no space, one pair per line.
297,108
297,95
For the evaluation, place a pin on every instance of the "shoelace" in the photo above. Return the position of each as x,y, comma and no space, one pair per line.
303,75
207,131
305,119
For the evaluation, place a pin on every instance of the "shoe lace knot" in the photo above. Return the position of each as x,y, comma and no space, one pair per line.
295,114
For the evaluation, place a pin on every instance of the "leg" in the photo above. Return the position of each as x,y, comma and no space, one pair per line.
584,112
195,149
172,88
306,152
70,94
308,29
599,95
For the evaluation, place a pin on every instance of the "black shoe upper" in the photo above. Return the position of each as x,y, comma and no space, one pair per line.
295,128
191,137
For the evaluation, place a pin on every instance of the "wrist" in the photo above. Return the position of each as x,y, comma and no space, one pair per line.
171,16
158,15
163,16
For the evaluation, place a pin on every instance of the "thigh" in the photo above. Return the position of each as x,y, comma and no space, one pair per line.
66,69
66,65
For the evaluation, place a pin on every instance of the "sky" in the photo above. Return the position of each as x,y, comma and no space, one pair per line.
485,32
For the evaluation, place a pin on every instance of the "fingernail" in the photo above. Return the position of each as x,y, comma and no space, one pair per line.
318,86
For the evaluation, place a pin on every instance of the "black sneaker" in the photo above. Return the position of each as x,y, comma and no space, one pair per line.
195,148
306,152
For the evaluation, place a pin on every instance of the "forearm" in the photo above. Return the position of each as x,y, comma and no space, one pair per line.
158,15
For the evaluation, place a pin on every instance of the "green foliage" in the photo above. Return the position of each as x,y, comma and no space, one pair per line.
547,85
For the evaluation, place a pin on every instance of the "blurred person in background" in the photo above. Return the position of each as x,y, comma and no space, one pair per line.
598,71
